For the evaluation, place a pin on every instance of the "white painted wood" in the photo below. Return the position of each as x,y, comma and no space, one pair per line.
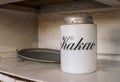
7,49
18,30
8,54
108,71
8,1
113,3
108,30
4,78
20,81
19,8
89,11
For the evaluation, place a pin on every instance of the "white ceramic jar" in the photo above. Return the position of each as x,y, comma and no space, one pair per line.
78,44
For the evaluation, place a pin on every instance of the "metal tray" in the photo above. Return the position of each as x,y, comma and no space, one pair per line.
40,54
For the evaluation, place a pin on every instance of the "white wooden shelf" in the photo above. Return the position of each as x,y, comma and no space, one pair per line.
108,71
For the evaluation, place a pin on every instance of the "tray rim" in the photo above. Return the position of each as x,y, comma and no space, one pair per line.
38,60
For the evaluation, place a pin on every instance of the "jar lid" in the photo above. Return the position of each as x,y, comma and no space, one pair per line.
79,19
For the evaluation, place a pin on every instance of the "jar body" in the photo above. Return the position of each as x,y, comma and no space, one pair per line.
78,48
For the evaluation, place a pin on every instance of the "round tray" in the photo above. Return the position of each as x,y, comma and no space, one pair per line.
40,54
